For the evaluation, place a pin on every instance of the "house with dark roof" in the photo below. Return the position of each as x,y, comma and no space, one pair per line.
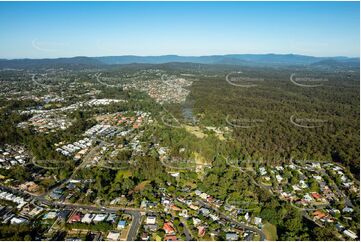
170,238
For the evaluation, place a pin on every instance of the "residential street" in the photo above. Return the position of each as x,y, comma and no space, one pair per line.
134,212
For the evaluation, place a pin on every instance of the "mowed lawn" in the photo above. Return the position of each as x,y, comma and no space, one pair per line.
270,231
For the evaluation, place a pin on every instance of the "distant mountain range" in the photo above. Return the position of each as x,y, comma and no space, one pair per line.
72,62
288,59
232,59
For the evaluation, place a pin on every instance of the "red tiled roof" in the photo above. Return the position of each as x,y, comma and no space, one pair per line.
315,195
75,217
319,214
175,208
201,231
168,228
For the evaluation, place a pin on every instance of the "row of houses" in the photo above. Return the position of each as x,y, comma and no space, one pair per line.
7,214
80,146
13,198
100,130
72,107
130,119
104,101
87,218
47,122
210,199
12,155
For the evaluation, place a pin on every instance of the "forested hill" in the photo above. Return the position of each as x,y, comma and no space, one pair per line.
251,59
232,59
71,63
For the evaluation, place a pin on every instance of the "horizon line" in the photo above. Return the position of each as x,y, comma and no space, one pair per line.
206,55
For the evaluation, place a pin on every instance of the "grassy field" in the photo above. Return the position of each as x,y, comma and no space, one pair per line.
270,231
125,173
141,186
195,130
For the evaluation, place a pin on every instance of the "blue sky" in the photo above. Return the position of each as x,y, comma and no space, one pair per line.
64,29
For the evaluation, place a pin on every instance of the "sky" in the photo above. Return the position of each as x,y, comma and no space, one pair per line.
66,29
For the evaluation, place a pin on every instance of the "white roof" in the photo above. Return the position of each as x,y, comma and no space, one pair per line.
196,221
257,220
214,217
17,220
113,235
100,217
204,195
87,218
50,215
350,234
150,220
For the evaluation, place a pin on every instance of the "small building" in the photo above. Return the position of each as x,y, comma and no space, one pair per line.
262,171
111,218
150,220
257,221
63,214
319,215
246,216
203,196
279,178
143,203
204,211
99,217
340,227
194,207
56,194
184,213
36,211
214,217
88,218
303,184
347,210
168,228
18,220
307,198
197,192
175,208
296,188
201,231
50,215
170,238
113,236
196,221
350,234
174,174
76,217
29,186
231,236
144,236
316,195
151,227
